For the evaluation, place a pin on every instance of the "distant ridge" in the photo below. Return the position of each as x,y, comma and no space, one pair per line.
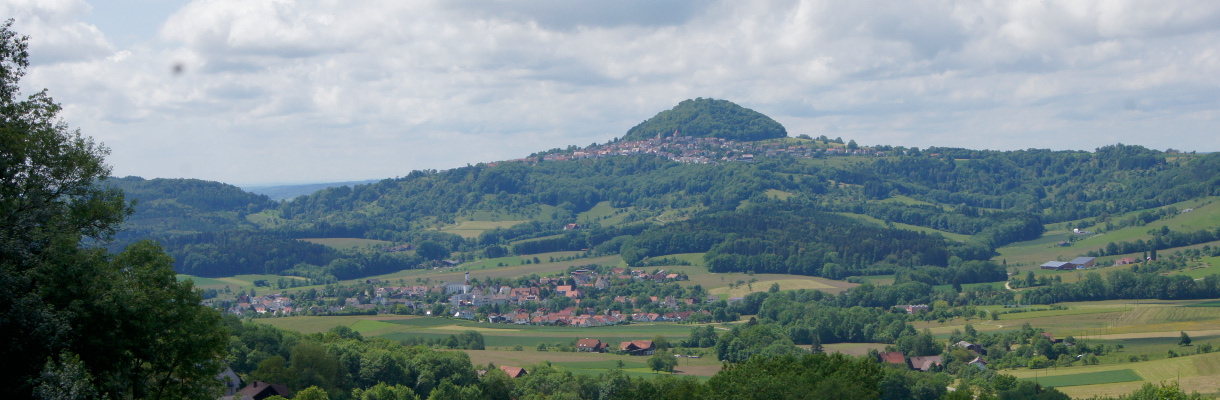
285,192
702,117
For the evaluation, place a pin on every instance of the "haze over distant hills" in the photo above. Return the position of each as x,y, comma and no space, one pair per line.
285,192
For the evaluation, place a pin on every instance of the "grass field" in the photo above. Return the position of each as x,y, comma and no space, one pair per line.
879,279
900,199
1195,372
496,336
1058,313
718,283
993,285
591,363
604,214
853,349
347,243
235,283
201,282
778,194
472,229
1087,378
763,285
1210,266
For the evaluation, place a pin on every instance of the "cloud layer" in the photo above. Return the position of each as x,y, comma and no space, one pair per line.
256,91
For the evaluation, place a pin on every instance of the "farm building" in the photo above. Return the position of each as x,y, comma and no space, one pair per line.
1083,262
925,363
892,357
638,347
1059,265
592,345
1076,263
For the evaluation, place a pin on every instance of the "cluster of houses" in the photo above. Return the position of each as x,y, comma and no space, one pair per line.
700,150
465,296
274,304
569,317
632,347
1076,263
929,363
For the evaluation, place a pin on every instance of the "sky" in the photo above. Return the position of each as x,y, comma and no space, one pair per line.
257,92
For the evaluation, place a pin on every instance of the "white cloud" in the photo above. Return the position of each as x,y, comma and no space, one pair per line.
279,90
55,31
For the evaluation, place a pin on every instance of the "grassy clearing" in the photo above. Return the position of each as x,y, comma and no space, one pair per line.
503,336
541,238
201,282
879,279
993,285
247,281
1057,313
1210,266
605,214
718,283
265,219
347,243
900,199
1087,378
699,275
472,229
493,215
868,219
310,324
764,285
590,363
778,194
853,349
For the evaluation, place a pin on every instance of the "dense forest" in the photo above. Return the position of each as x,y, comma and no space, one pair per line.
731,210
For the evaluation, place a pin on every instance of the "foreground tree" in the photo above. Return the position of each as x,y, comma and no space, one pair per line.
75,321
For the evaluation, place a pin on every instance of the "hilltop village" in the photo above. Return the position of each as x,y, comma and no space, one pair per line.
707,150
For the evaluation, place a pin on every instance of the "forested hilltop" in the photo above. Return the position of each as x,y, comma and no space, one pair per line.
709,118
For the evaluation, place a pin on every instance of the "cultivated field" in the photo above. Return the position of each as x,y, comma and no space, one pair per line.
347,243
518,345
1194,372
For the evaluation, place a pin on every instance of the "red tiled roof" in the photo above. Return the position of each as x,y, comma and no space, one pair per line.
892,357
513,372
